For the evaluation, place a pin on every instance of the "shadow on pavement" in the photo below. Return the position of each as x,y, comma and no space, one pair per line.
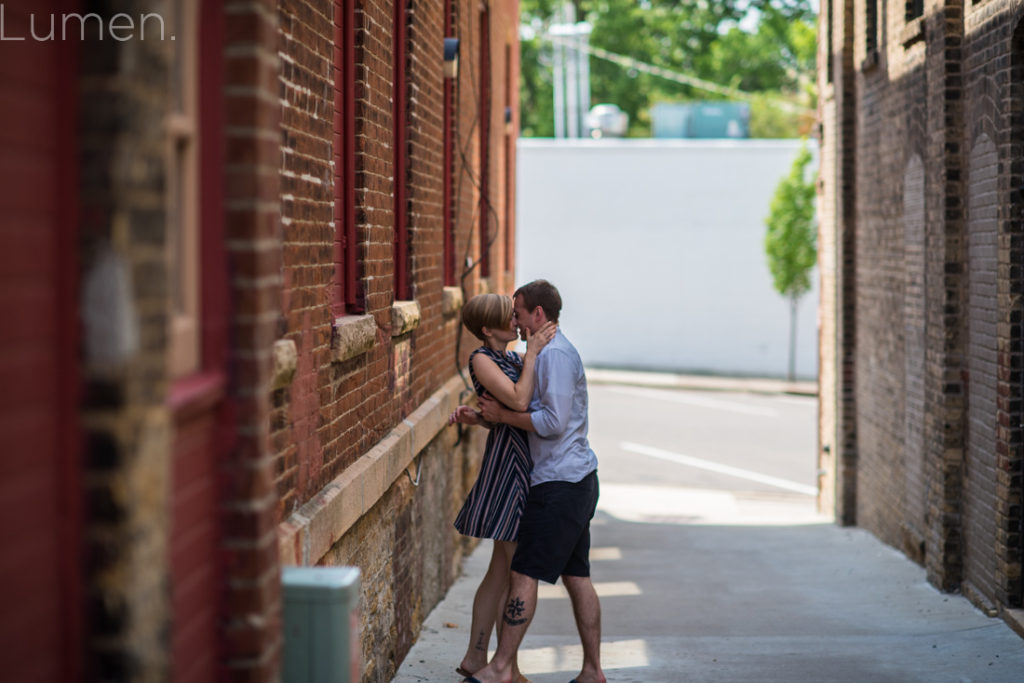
690,594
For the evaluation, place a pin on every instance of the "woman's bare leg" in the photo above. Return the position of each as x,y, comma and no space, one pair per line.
487,605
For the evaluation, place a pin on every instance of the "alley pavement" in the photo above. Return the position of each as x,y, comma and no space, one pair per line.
730,587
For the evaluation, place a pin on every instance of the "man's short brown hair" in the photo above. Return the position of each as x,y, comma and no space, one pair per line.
486,310
544,294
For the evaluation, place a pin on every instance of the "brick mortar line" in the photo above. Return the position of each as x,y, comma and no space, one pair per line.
308,533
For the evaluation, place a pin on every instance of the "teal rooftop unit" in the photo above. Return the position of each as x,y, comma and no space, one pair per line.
670,120
707,120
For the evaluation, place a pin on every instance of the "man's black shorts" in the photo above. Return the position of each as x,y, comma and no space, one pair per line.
554,532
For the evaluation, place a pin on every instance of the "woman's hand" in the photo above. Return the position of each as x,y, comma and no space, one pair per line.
539,339
464,415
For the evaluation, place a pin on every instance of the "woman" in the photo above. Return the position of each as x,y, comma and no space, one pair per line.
495,502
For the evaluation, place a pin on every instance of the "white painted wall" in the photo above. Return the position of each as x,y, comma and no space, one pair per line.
657,249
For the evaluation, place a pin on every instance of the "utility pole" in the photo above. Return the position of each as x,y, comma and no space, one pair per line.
558,83
571,73
572,108
583,59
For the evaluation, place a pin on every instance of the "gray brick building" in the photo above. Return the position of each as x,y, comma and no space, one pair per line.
922,210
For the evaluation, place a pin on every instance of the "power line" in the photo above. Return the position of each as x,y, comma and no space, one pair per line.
670,75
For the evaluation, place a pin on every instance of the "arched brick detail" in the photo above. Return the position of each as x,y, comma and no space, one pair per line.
915,342
982,364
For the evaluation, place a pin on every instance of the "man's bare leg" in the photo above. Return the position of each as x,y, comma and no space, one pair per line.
519,610
587,609
510,549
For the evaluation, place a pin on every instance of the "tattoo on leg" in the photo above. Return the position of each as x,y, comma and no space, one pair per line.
481,642
514,612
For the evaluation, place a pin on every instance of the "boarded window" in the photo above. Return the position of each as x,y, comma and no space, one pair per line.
871,28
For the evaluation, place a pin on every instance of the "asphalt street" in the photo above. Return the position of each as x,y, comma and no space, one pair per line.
699,439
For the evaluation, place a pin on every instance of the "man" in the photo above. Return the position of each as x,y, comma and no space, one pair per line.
554,532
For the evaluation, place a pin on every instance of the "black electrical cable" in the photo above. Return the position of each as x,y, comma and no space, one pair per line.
467,171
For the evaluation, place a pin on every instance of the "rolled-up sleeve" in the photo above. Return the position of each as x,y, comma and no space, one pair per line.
555,384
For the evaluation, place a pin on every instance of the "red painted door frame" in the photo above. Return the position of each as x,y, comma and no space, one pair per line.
199,405
41,624
69,393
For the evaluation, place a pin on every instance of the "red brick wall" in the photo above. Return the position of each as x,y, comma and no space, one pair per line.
253,232
266,196
332,413
305,40
433,339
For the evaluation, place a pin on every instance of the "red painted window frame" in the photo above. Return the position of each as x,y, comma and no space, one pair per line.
400,123
485,139
206,389
509,166
346,297
213,255
448,122
215,310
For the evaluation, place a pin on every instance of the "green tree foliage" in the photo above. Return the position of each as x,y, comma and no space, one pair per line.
767,120
699,38
535,90
791,240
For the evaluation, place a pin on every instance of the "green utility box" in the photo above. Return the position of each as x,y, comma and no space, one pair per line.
321,625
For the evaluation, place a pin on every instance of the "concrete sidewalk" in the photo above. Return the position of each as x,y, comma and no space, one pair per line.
718,586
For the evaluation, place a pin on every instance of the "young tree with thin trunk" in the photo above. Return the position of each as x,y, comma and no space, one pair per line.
791,241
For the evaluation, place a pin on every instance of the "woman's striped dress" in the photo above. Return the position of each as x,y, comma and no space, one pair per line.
495,503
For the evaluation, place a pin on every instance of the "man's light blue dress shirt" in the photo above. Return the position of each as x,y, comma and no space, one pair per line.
558,410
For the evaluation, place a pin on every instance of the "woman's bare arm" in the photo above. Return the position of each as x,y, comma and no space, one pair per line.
515,395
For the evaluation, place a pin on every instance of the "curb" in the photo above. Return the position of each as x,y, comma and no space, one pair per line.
754,385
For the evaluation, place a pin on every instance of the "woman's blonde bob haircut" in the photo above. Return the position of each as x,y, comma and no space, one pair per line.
486,310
